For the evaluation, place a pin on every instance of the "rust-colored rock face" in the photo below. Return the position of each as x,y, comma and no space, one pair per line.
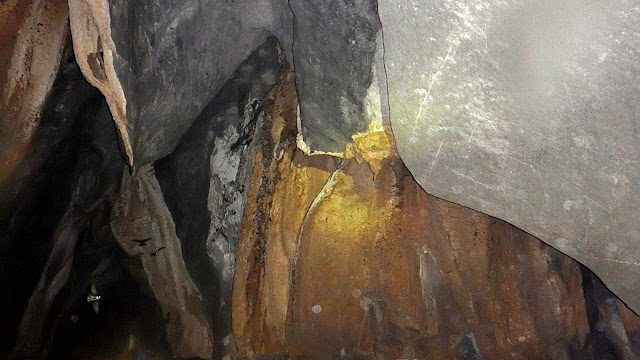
386,270
337,258
336,262
284,183
33,35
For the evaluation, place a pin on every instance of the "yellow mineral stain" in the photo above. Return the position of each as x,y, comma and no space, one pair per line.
284,184
327,263
372,147
305,149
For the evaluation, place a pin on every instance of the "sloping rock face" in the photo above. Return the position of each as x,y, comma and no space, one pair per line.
336,261
139,55
205,180
34,34
160,64
527,111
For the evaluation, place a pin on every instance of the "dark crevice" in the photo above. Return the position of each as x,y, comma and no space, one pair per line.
43,181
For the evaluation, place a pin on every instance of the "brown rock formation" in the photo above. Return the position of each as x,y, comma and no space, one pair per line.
284,183
34,33
334,262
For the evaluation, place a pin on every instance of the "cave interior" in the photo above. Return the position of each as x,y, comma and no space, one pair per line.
170,170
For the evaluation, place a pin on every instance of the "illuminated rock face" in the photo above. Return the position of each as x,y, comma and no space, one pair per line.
284,183
527,111
334,261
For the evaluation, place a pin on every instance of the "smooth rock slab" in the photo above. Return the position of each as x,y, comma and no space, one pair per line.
527,111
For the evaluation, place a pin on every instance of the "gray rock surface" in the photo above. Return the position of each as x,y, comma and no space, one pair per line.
333,54
527,111
172,59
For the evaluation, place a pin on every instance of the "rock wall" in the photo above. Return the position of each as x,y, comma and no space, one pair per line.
243,245
528,111
338,261
495,105
34,34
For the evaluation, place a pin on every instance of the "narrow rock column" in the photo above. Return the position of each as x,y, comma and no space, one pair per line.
143,226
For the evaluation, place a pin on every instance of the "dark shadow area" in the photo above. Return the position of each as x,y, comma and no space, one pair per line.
613,335
43,185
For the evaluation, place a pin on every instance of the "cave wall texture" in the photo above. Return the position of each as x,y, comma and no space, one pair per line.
527,111
258,179
345,259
